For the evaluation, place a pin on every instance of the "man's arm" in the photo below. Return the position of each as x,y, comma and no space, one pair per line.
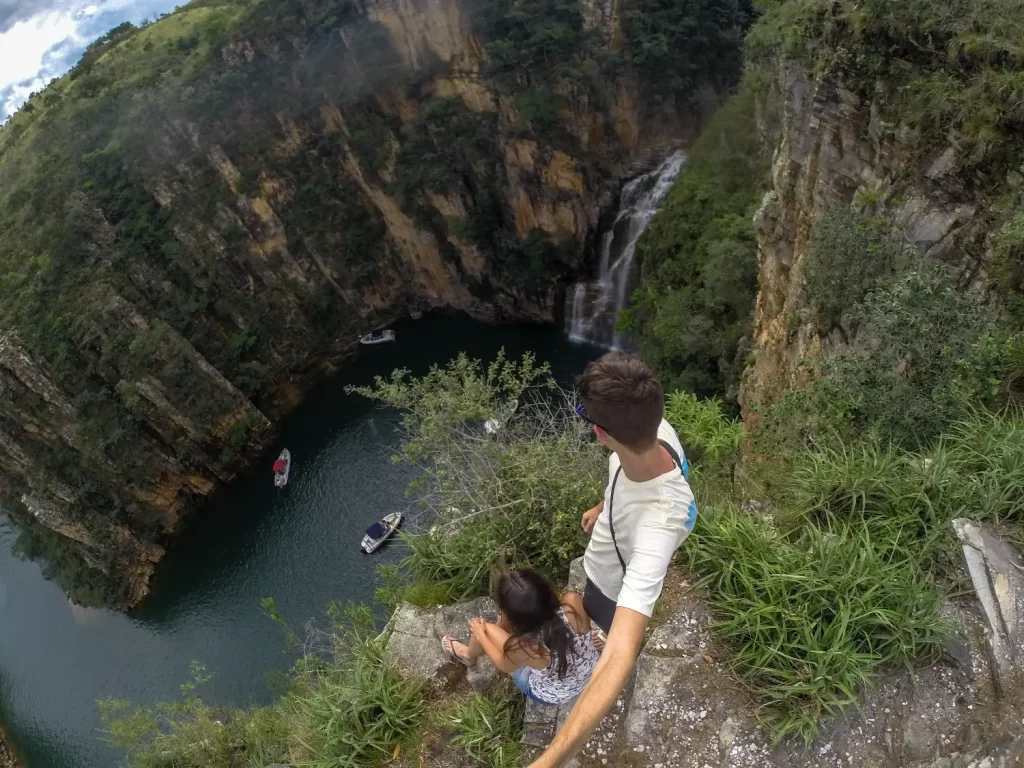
609,678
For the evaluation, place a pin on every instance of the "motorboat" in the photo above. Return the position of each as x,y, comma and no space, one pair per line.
282,468
380,532
377,337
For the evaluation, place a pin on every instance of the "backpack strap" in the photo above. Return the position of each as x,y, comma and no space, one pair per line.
611,499
611,524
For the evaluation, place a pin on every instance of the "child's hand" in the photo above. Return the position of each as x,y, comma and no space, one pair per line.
478,628
590,517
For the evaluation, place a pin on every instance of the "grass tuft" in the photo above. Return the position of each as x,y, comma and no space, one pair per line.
488,727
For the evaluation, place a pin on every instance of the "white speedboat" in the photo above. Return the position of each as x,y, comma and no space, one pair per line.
377,337
378,533
282,468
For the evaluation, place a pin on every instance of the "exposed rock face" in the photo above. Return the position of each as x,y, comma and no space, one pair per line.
274,232
995,566
6,758
416,633
836,150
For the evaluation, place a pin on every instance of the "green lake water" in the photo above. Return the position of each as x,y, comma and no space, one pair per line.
298,545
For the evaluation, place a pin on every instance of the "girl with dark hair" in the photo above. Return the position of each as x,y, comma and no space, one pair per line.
543,642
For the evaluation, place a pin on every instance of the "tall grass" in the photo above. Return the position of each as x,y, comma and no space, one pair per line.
488,727
809,618
847,576
352,710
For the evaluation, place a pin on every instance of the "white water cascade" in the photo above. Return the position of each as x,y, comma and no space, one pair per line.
594,306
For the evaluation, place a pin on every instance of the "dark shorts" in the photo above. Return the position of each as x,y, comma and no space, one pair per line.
599,608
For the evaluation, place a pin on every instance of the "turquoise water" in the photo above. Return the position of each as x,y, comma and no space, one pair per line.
299,545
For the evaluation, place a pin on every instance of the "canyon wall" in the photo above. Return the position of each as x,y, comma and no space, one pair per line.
835,148
206,213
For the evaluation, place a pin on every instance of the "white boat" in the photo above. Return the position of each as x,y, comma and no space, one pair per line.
501,417
282,468
378,533
377,337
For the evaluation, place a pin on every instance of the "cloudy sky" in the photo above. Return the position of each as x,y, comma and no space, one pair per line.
42,39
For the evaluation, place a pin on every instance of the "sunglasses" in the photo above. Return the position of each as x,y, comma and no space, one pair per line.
581,411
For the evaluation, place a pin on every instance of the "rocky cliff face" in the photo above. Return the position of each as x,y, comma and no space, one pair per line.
214,242
837,150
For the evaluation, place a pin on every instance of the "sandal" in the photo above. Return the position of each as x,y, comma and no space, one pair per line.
448,648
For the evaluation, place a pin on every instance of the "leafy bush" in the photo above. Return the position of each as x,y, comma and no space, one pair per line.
683,45
538,110
535,36
509,499
849,253
925,355
488,727
190,734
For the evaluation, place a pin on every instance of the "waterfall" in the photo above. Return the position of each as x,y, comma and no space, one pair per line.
595,305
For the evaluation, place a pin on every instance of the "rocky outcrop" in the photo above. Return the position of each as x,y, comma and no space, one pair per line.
995,567
837,149
6,756
414,642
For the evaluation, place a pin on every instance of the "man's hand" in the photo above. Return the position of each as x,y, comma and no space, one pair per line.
590,517
610,676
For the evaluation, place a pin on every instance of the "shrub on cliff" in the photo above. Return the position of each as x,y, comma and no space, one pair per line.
924,357
506,499
950,68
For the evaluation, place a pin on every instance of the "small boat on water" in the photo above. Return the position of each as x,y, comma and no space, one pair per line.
377,337
378,533
282,468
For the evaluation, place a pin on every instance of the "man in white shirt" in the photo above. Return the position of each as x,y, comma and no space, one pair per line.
647,512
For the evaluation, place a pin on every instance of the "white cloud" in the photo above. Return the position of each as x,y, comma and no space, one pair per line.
45,45
27,48
18,95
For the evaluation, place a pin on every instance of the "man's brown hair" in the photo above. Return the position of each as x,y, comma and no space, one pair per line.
622,394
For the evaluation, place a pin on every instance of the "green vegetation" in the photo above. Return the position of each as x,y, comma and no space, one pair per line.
842,571
948,67
699,258
683,46
848,255
504,502
348,707
677,48
836,576
489,728
116,215
927,355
